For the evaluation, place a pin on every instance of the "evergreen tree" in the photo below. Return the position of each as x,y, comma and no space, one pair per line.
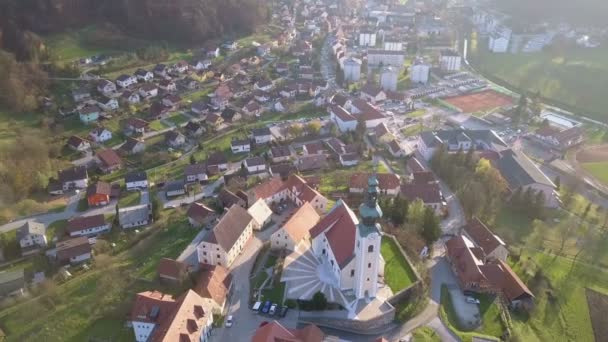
468,158
192,159
430,230
539,205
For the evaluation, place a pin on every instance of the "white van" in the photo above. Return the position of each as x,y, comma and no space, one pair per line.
256,306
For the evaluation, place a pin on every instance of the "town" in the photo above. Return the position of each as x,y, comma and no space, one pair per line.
342,174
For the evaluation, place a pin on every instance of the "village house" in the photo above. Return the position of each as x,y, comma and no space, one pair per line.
261,96
262,135
100,135
196,173
125,81
87,226
107,103
81,94
217,159
459,139
240,146
199,215
281,106
194,129
148,90
255,164
160,70
77,143
202,65
429,193
289,90
252,108
156,316
172,271
175,188
31,236
136,125
89,113
174,139
348,159
396,149
295,189
98,194
213,284
559,139
214,120
493,246
261,214
137,180
73,251
311,162
314,148
264,85
73,178
227,199
227,239
372,93
275,331
200,108
12,283
382,134
280,154
134,216
108,160
106,87
345,121
133,146
144,75
231,116
167,85
295,229
130,97
181,67
171,100
388,183
221,96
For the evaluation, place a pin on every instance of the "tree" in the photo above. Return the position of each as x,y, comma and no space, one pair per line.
537,238
360,129
564,231
339,75
539,205
415,214
313,127
431,231
536,105
156,207
295,130
192,159
521,112
318,301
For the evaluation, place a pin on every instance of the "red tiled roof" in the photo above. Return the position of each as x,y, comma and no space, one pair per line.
268,188
84,222
340,227
99,188
428,193
171,268
109,157
75,141
424,177
199,212
465,261
185,322
214,283
482,236
386,181
341,113
314,148
275,332
141,311
301,222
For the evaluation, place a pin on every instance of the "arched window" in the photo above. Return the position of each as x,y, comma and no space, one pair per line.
370,248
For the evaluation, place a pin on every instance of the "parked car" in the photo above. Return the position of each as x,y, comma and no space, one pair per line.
266,307
256,306
229,321
472,300
283,311
273,310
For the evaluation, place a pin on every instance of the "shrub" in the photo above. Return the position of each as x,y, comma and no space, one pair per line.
290,303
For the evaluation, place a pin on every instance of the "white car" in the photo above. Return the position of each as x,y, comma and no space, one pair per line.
472,300
229,321
273,310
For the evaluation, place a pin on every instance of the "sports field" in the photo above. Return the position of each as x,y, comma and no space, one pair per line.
480,101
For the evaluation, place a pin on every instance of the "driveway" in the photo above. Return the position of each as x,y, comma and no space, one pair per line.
208,191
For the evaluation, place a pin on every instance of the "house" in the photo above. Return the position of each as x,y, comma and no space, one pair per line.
175,188
459,139
158,111
475,272
313,148
130,97
289,90
493,246
261,96
98,194
261,213
388,183
174,139
264,85
74,251
196,173
275,331
181,67
194,129
230,115
144,75
213,284
263,49
559,139
87,226
212,51
108,160
227,239
134,216
342,118
296,228
383,134
255,164
365,111
136,180
280,154
100,135
226,199
107,103
167,85
230,45
282,68
214,120
449,60
311,162
221,96
106,87
295,189
252,108
429,193
282,170
76,143
133,146
160,70
81,94
413,165
306,72
397,150
281,106
521,173
171,100
349,159
12,283
156,316
217,159
240,145
172,271
372,93
148,90
31,235
89,113
424,177
199,215
262,135
200,107
74,178
125,81
136,125
202,65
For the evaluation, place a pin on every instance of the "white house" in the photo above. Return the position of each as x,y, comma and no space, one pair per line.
148,90
134,216
87,226
240,146
419,71
144,75
227,239
352,69
255,164
100,135
262,135
261,213
295,229
125,81
449,60
342,118
106,87
456,139
73,251
136,181
367,38
202,65
498,43
196,173
108,103
31,235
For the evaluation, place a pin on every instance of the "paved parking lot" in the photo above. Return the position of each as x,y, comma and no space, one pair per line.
467,313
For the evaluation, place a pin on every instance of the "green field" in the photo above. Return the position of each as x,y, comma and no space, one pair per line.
599,170
425,334
398,273
575,77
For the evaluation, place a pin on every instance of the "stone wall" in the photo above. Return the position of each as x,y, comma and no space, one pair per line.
362,327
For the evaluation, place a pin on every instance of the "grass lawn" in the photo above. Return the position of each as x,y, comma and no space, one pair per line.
337,180
398,272
275,294
178,119
158,125
69,46
259,279
425,334
573,76
83,204
129,198
599,170
412,130
56,229
417,113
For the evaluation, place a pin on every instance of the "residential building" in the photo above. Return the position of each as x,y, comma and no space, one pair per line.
12,282
133,146
367,38
213,284
420,71
240,146
74,178
311,162
449,61
158,317
136,125
100,135
274,331
76,143
385,58
136,181
74,251
196,173
457,139
558,138
261,214
262,135
498,42
429,193
200,215
134,216
89,113
98,194
388,78
388,183
107,103
345,121
372,93
172,271
295,189
174,139
348,159
31,235
255,164
352,69
175,188
217,159
106,87
295,229
144,75
87,226
125,81
493,246
225,242
194,129
226,199
108,160
280,154
81,94
148,90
